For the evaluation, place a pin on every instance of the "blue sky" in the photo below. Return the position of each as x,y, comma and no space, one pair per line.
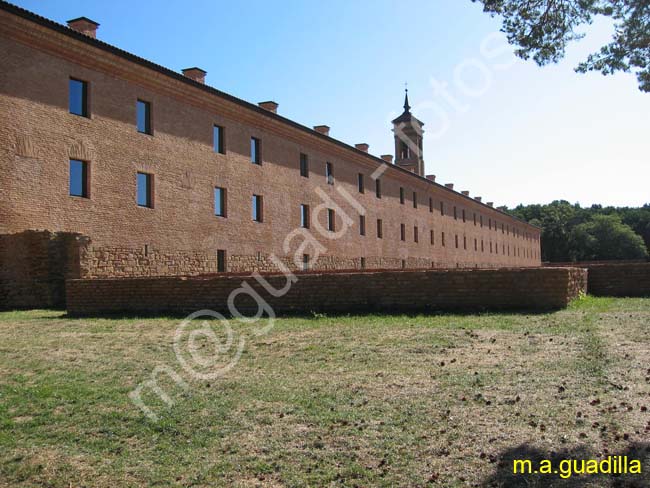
502,129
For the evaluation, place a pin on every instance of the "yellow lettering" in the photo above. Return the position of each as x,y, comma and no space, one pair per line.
635,466
565,469
545,467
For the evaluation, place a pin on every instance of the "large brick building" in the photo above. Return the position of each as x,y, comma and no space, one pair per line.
166,175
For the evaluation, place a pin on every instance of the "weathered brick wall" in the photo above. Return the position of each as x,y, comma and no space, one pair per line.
619,279
34,266
109,262
38,136
615,278
515,289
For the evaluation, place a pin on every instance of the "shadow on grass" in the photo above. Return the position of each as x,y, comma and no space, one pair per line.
562,462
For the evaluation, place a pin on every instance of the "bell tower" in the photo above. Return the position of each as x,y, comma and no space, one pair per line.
408,140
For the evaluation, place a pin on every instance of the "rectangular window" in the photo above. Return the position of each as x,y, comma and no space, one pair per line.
363,263
378,188
360,183
455,214
403,263
481,220
401,195
442,208
218,139
380,229
415,200
402,232
304,166
490,247
78,178
490,224
304,216
145,190
329,173
257,210
476,244
474,218
362,225
465,243
456,239
144,116
256,151
78,97
432,237
221,261
482,246
464,216
443,239
331,220
430,204
416,236
305,262
220,202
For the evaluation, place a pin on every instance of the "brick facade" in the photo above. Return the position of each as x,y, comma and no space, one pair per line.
181,234
421,290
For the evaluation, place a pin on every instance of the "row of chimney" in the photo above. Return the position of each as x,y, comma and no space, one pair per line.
89,27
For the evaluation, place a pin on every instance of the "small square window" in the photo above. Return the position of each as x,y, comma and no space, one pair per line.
145,190
221,261
257,209
78,178
304,216
144,117
360,183
218,141
78,97
256,151
329,173
220,202
304,166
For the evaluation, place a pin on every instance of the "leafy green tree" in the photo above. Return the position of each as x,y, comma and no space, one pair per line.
541,29
606,237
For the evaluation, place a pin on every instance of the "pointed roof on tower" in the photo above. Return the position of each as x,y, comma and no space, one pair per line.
406,116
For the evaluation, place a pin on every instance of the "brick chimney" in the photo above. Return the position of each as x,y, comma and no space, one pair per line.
449,185
490,204
478,199
362,147
465,192
270,105
84,25
388,158
431,177
196,74
322,129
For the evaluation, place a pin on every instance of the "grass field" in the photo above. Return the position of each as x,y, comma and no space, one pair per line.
438,400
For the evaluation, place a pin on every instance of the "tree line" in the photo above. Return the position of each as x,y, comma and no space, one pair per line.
573,233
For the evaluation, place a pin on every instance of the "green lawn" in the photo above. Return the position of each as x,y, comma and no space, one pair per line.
430,400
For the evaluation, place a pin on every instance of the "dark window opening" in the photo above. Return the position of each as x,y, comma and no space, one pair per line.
257,209
78,178
144,117
256,157
329,173
220,202
218,139
362,225
331,220
145,190
304,216
78,97
221,260
360,183
304,166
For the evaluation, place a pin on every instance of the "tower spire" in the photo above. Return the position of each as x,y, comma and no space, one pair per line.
407,107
